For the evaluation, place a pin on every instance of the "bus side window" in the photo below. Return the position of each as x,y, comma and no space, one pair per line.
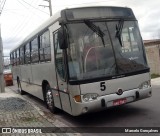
22,55
27,54
34,51
59,60
18,56
11,59
45,47
15,58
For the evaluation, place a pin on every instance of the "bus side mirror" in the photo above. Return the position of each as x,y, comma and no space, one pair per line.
61,38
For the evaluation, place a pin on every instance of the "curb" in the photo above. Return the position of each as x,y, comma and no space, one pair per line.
155,79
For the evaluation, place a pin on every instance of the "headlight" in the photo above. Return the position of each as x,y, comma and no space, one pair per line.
145,85
90,97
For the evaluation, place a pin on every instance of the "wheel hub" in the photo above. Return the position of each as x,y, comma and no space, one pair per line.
49,99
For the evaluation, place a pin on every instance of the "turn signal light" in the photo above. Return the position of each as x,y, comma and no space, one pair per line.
77,98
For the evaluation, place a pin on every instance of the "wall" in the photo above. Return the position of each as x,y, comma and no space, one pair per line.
153,57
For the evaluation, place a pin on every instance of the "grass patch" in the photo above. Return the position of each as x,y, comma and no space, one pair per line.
155,75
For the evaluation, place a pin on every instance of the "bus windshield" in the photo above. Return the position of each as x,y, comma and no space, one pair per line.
104,49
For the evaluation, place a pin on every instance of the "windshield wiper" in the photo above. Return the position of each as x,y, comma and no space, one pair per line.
119,28
95,29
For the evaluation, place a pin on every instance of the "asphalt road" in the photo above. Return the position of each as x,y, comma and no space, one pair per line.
143,113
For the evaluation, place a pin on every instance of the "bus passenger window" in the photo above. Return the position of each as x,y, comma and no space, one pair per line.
27,54
17,56
34,51
22,55
15,59
59,60
11,58
45,48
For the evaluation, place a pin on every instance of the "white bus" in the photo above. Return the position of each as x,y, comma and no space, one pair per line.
83,60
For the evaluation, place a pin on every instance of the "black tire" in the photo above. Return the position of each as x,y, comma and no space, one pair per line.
20,91
49,99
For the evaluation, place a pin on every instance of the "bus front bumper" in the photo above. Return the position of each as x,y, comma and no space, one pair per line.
111,100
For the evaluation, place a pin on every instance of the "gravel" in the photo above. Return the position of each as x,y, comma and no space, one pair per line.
14,104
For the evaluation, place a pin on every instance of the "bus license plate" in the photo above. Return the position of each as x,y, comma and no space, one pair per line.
119,102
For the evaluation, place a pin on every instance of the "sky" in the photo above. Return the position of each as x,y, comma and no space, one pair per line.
20,17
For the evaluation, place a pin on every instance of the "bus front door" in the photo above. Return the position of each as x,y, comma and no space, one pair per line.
60,67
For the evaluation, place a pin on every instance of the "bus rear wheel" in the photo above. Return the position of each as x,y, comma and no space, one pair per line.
49,99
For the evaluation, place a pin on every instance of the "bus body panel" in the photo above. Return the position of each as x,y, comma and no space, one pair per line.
27,83
16,73
26,74
35,90
66,106
56,96
109,96
41,72
112,86
95,106
74,90
33,77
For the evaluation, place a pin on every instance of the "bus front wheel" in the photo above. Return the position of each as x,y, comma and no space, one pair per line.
49,99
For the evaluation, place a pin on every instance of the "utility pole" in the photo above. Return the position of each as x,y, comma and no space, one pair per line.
2,90
1,65
50,6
